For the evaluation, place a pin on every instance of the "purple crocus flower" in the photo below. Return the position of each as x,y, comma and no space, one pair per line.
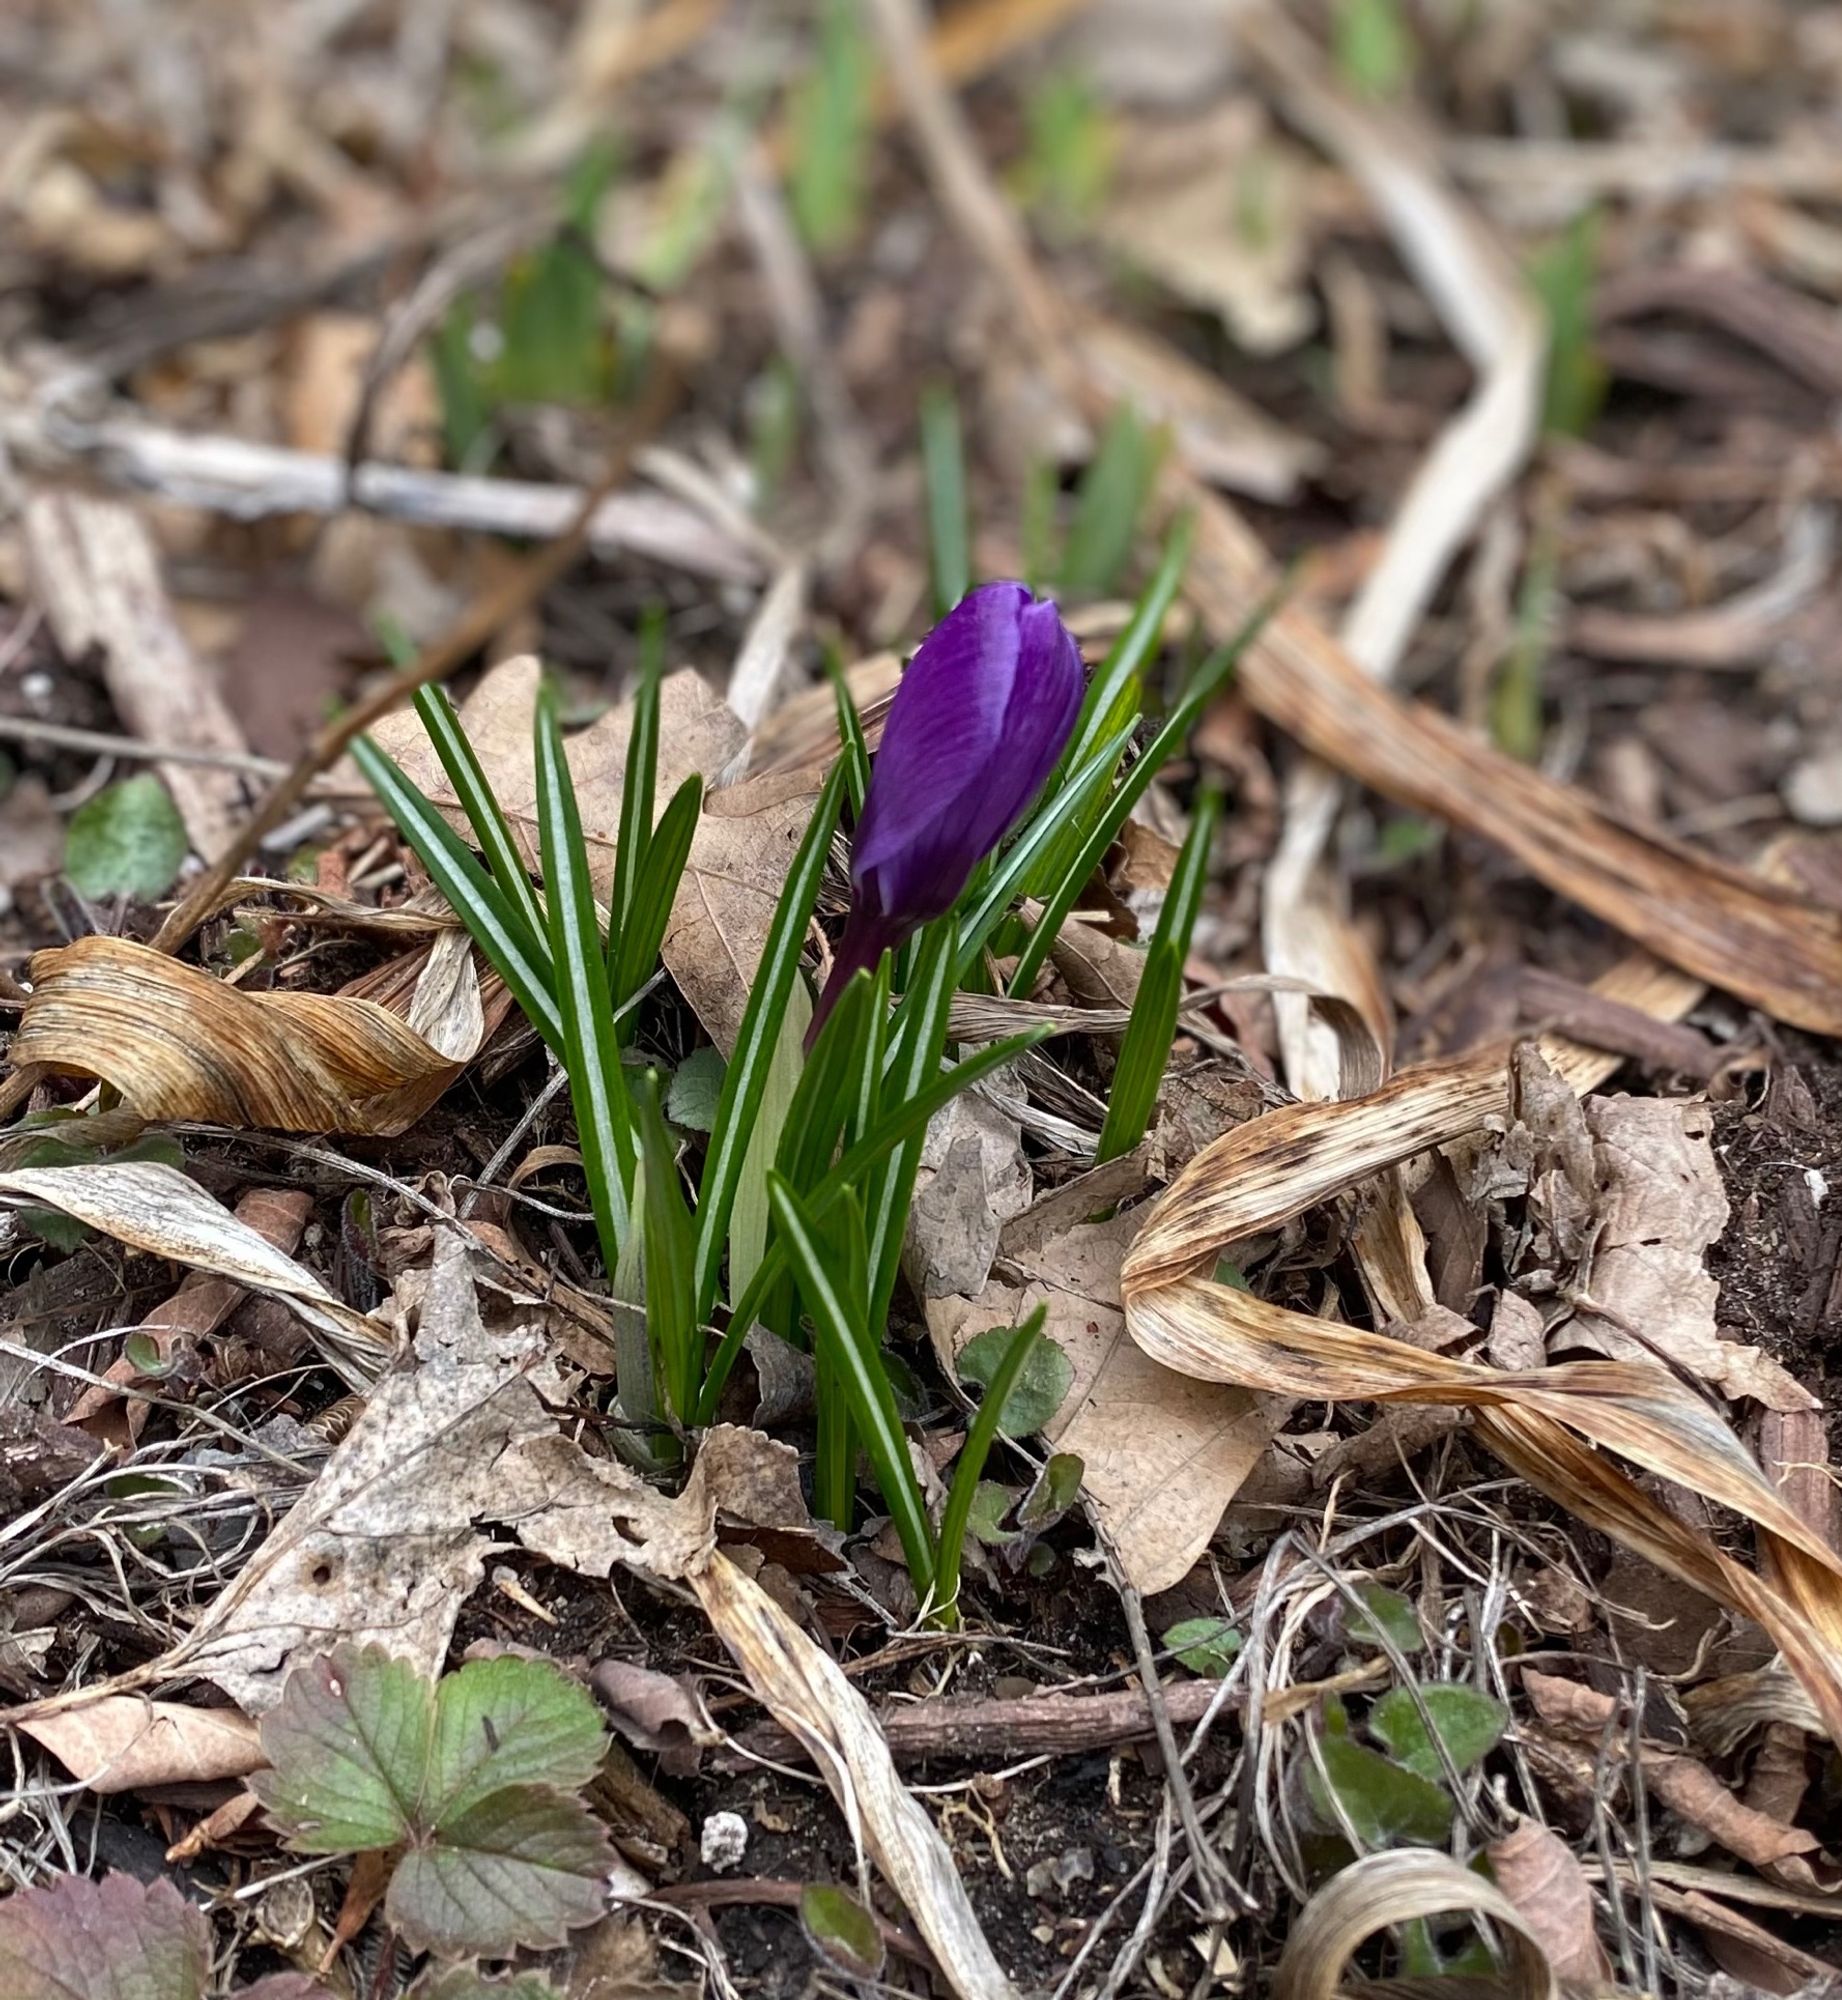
983,712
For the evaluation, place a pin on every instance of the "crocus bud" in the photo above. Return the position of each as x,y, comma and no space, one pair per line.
981,716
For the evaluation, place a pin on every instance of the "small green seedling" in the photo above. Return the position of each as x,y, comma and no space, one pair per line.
471,1783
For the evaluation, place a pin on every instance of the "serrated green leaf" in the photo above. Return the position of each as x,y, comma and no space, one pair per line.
1040,1387
1470,1724
1385,1803
521,1868
841,1930
696,1087
1207,1646
507,1722
1385,1610
117,1939
349,1744
127,841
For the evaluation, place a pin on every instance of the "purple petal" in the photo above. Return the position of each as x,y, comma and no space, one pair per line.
944,724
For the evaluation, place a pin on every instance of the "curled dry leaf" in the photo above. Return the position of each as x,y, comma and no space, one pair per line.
1659,1204
384,1544
1541,1875
738,861
1394,1888
1684,1784
156,1209
1543,1422
177,1043
122,1743
1162,1452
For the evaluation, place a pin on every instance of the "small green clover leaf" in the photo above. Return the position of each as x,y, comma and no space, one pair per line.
1047,1376
1469,1725
1207,1646
127,841
475,1779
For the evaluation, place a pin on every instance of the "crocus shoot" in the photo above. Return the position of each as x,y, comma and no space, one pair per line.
980,720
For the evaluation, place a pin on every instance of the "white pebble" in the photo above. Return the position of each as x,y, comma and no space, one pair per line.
724,1841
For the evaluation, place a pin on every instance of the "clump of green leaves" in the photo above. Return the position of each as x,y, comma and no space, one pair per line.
472,1783
127,841
1069,157
1563,276
541,337
829,118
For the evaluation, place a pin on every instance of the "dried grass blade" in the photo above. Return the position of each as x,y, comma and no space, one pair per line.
805,1692
1384,1889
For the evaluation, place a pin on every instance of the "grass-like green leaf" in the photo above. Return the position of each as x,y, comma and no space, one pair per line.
745,1081
492,832
1114,696
989,903
634,955
973,1454
830,122
597,1088
476,899
638,790
943,463
1112,497
897,1123
670,1317
748,1218
850,1350
1146,1047
834,1461
856,753
920,1043
1203,686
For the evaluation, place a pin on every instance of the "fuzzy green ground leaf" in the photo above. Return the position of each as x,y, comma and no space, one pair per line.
127,841
1047,1377
696,1087
1385,1803
1207,1646
1385,1611
841,1930
1469,1724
